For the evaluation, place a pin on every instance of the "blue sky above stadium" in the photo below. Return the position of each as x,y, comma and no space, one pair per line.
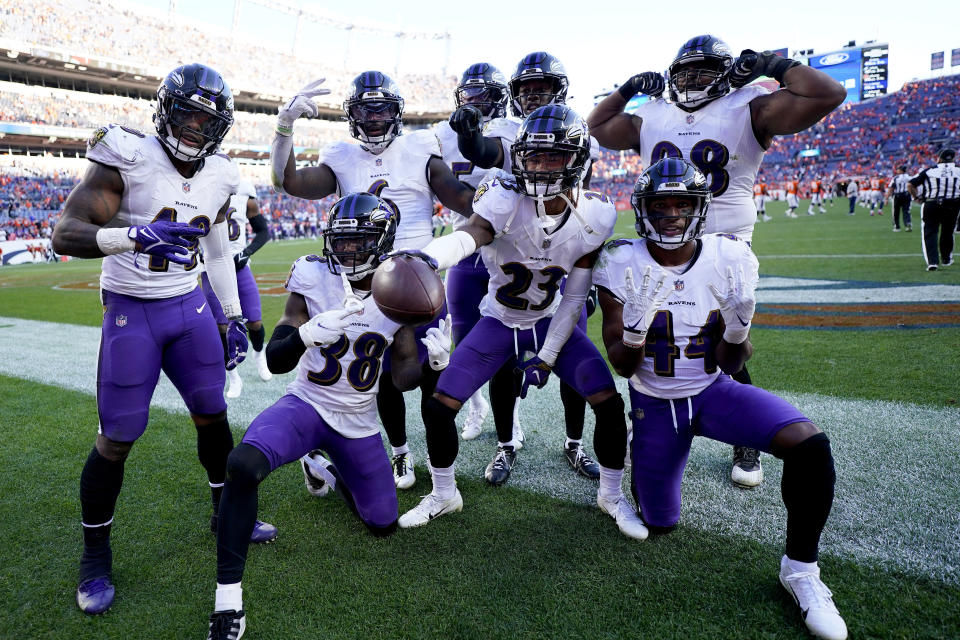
599,49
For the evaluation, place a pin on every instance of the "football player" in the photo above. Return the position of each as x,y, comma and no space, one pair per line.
484,87
533,227
677,309
722,124
791,187
816,197
144,204
760,198
407,171
327,418
244,201
538,80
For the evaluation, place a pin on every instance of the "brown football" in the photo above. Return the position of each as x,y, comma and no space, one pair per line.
408,291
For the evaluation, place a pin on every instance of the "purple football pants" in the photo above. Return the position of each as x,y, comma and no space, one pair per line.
249,296
728,411
140,338
291,428
490,345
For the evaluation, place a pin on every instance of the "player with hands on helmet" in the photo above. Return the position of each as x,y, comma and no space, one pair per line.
679,383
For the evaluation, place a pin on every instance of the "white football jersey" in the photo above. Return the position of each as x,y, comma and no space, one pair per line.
398,175
237,216
526,264
340,381
679,360
155,190
718,138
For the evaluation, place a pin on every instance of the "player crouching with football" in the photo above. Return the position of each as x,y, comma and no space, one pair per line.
535,226
677,310
328,416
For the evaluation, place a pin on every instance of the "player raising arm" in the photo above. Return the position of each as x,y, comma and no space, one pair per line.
722,124
144,203
677,310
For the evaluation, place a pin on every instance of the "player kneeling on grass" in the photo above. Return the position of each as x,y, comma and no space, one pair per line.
333,329
677,309
535,226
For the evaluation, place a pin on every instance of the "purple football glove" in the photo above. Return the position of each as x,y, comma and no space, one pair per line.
535,372
236,343
168,240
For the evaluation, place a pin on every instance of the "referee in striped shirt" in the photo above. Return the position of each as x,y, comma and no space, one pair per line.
901,198
940,196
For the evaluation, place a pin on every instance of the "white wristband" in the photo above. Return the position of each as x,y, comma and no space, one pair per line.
233,310
736,335
115,240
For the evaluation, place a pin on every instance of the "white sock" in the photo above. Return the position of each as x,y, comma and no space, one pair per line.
611,482
404,448
229,596
473,403
796,566
444,482
516,414
570,442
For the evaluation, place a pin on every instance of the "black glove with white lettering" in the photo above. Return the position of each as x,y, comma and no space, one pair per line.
649,83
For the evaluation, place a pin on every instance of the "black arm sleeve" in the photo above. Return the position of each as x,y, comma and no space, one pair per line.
479,150
284,349
919,179
261,234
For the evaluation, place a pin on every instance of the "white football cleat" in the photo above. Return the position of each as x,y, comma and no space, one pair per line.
626,517
815,601
316,475
473,425
260,357
747,471
236,383
429,508
403,475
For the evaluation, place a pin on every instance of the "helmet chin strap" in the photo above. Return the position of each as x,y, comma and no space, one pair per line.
575,212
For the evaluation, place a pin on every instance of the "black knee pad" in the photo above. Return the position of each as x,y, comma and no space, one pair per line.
247,466
610,433
813,455
441,430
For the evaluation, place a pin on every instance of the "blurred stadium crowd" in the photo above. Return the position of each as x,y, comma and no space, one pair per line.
858,141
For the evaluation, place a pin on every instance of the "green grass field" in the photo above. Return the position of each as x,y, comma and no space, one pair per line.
875,363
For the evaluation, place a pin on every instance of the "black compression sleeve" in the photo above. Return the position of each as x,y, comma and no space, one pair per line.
284,349
479,150
261,234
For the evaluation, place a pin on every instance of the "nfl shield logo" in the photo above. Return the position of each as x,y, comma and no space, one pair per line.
379,162
690,119
121,321
186,187
678,285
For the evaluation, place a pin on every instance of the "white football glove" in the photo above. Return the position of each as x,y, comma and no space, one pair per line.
642,304
438,344
325,328
737,305
300,104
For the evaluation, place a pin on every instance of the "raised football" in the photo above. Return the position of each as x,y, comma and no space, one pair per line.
408,291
